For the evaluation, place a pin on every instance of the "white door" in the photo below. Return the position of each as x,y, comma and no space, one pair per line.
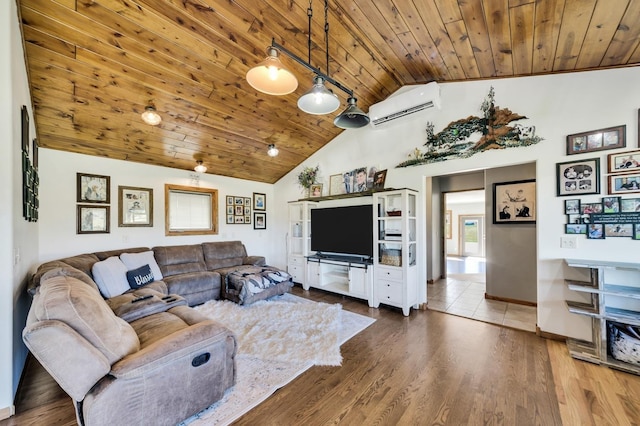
472,235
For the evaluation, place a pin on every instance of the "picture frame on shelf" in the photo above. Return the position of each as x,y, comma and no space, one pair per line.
578,177
259,201
336,184
135,206
597,140
514,202
92,219
315,190
572,206
379,179
624,184
93,188
259,220
624,162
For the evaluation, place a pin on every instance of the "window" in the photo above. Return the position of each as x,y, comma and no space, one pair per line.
190,210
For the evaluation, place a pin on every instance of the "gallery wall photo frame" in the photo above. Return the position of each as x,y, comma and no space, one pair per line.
259,201
578,177
93,188
259,220
135,206
92,219
514,202
624,162
597,140
238,210
624,184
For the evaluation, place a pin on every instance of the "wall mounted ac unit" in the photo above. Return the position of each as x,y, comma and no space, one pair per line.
405,102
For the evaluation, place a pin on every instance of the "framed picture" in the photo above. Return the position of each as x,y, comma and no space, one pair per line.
629,205
135,206
336,185
573,228
624,161
92,219
259,201
378,179
618,230
315,190
575,218
447,224
588,208
595,231
259,220
578,177
514,202
93,188
636,231
610,204
597,140
238,209
624,184
572,206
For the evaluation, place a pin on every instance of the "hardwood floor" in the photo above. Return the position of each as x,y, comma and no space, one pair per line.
429,368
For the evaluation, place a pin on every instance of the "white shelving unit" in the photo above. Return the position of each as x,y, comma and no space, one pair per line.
613,290
299,239
395,249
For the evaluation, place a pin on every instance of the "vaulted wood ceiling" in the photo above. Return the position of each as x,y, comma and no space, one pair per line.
94,66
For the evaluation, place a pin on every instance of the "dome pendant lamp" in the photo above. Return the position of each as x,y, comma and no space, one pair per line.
319,100
271,77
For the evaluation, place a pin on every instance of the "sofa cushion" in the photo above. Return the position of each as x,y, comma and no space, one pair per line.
175,260
54,268
140,276
102,255
223,254
83,262
82,308
111,276
136,260
196,287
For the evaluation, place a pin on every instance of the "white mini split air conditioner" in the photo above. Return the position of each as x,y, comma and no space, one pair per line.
406,101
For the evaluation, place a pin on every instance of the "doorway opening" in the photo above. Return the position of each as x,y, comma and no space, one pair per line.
465,234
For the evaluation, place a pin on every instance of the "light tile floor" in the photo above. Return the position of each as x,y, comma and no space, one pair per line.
463,295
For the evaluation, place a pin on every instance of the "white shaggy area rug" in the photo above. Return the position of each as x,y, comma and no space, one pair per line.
278,340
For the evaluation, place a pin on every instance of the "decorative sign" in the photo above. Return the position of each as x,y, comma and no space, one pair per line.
614,218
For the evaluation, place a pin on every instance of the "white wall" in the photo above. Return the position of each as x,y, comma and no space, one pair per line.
557,105
58,236
18,238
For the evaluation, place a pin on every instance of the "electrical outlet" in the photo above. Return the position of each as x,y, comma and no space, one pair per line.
568,242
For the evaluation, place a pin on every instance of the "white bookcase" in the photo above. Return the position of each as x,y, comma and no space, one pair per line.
299,239
395,249
613,293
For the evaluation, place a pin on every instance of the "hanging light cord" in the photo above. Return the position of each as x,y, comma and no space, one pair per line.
326,31
309,14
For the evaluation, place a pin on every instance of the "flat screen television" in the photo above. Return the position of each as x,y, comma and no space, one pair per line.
343,230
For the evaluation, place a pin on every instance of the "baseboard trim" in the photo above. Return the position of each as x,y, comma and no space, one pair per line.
506,299
550,336
7,412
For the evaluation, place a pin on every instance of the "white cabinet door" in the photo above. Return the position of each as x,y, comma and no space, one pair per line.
358,282
313,275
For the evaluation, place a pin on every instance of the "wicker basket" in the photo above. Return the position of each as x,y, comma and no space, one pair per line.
391,257
623,342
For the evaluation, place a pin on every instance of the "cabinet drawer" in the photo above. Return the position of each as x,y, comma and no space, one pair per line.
296,272
389,274
296,260
389,292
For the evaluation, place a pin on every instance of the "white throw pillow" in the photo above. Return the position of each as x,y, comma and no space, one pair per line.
111,277
136,260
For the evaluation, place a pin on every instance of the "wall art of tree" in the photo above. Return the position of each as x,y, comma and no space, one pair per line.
492,131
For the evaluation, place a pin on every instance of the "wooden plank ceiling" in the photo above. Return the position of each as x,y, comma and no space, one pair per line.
94,66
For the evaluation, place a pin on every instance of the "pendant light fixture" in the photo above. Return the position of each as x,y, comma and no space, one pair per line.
271,77
352,117
272,151
318,100
151,116
200,168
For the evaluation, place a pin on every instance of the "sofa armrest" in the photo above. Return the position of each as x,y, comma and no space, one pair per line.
70,359
163,352
254,260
